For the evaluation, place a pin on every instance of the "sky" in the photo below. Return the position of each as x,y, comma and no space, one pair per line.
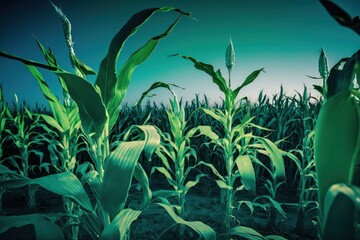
283,37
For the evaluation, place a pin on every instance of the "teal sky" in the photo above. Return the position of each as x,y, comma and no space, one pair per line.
284,37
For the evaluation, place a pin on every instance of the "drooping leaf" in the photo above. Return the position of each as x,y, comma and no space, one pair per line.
119,227
154,86
92,111
247,172
209,69
119,171
141,176
65,184
202,229
202,130
40,223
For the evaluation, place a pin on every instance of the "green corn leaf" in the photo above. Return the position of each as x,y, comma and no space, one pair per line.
202,229
213,169
51,60
154,86
217,115
318,88
65,184
92,111
28,62
120,167
83,68
119,171
209,69
39,221
52,122
202,130
247,172
339,79
166,173
113,88
142,178
275,156
150,136
337,142
57,108
274,203
119,228
250,233
191,184
247,81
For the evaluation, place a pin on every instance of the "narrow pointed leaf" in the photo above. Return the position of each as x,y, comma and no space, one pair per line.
154,86
209,69
247,81
275,156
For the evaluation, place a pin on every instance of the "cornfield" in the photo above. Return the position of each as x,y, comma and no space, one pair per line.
93,167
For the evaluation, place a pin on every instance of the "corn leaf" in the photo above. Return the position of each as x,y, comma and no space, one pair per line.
275,156
209,69
249,233
28,62
336,142
57,108
142,178
154,86
342,17
113,88
51,60
247,81
92,111
65,184
202,130
150,136
119,171
120,167
40,223
247,172
119,228
202,229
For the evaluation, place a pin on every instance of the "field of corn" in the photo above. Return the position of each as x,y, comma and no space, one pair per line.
93,167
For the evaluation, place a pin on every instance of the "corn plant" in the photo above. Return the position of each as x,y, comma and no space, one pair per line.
176,147
337,142
4,116
237,146
98,109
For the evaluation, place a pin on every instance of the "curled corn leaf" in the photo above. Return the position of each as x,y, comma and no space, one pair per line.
336,141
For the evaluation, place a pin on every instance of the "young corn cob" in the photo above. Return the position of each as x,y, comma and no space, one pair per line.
230,58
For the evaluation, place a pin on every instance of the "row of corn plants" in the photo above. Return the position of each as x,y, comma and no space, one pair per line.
94,146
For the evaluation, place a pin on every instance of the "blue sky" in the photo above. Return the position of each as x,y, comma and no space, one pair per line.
282,36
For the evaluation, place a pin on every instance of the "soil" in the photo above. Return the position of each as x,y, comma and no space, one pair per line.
203,203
